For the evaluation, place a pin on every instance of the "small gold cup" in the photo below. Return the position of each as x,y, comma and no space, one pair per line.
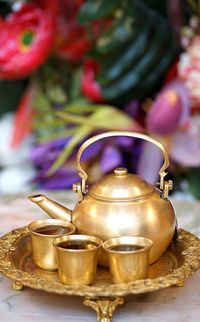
43,232
128,258
77,258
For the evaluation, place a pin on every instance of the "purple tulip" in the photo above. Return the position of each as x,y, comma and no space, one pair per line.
149,162
50,150
92,151
185,147
63,178
132,108
169,110
125,142
59,182
111,158
37,153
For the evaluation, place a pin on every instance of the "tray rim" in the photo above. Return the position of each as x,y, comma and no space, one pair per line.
190,264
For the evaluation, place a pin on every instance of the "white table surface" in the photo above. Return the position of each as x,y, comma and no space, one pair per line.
171,304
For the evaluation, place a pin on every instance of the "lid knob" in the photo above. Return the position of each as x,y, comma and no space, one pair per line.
119,172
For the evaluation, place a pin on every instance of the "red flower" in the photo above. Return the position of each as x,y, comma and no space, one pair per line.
26,39
172,73
50,6
72,40
22,124
90,87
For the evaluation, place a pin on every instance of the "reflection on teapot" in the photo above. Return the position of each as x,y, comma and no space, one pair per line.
120,204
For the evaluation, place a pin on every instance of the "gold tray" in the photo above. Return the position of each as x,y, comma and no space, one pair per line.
180,260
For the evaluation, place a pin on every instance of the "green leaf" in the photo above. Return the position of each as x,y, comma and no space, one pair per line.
96,9
5,7
133,76
193,5
152,80
100,119
52,123
193,177
57,94
42,103
61,134
75,84
127,61
129,58
105,61
77,108
118,34
159,6
10,94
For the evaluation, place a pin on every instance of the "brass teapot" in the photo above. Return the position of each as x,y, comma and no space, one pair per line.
119,204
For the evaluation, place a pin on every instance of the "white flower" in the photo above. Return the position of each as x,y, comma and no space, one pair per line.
189,69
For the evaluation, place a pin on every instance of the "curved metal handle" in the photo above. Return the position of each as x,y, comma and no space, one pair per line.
98,137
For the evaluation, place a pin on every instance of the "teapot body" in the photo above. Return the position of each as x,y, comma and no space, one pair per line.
152,217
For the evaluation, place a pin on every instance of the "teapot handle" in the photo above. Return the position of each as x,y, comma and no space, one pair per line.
164,185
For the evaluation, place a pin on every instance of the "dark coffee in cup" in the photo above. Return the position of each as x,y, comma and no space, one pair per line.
43,233
51,230
126,248
77,245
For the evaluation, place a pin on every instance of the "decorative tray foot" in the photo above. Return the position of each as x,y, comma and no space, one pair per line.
180,284
104,307
180,261
17,286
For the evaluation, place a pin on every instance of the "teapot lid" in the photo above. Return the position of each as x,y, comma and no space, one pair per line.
121,186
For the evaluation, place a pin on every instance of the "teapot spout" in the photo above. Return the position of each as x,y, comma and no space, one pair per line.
51,207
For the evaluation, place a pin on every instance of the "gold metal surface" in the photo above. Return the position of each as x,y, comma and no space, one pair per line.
128,258
120,172
120,204
44,253
121,187
17,286
104,307
52,208
105,135
77,258
180,261
151,217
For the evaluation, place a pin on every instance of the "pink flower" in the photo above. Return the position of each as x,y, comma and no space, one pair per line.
167,117
169,110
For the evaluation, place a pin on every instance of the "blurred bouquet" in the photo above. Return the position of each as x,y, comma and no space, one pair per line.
78,68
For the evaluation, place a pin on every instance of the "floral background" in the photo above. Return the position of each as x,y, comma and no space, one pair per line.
72,69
